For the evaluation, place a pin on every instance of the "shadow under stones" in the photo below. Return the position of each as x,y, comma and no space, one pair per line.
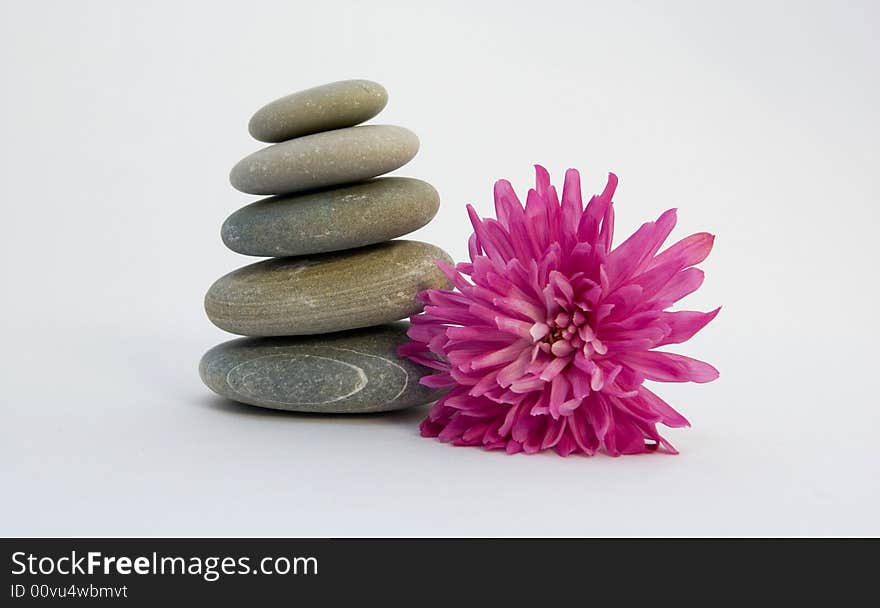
408,416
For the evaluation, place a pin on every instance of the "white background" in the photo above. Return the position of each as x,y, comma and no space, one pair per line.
119,122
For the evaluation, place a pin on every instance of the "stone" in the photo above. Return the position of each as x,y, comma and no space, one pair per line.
350,372
325,159
331,106
326,292
331,220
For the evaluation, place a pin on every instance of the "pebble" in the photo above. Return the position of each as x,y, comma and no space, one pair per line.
326,292
350,372
325,159
331,220
331,106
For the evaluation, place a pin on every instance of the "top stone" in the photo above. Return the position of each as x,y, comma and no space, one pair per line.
337,105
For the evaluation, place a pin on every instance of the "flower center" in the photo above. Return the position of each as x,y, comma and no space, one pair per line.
570,331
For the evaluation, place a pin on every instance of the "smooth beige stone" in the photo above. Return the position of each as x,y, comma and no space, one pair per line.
350,372
331,220
325,159
331,106
326,293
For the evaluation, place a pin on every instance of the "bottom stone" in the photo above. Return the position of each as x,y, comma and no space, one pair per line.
350,372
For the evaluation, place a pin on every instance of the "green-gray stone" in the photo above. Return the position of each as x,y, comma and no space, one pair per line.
326,292
348,373
325,159
331,220
331,106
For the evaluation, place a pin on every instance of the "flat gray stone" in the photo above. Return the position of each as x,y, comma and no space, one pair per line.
331,220
331,106
343,373
326,292
325,159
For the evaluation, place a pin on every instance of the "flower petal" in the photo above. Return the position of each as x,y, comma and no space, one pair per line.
507,204
636,252
668,367
684,324
687,252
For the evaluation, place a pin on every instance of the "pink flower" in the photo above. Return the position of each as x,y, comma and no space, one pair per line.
549,343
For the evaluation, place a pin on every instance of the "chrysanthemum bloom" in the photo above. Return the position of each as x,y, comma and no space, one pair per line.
550,341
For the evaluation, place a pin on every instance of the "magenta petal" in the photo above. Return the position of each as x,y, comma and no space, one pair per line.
501,356
437,381
514,370
553,369
663,410
559,388
572,203
513,447
688,252
628,438
453,275
542,180
684,324
580,382
554,433
676,287
566,444
581,434
636,252
597,209
507,204
669,367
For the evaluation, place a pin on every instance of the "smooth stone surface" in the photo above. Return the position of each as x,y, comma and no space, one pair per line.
325,159
331,220
351,372
326,292
331,106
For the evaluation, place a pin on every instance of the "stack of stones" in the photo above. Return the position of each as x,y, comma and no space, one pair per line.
321,314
